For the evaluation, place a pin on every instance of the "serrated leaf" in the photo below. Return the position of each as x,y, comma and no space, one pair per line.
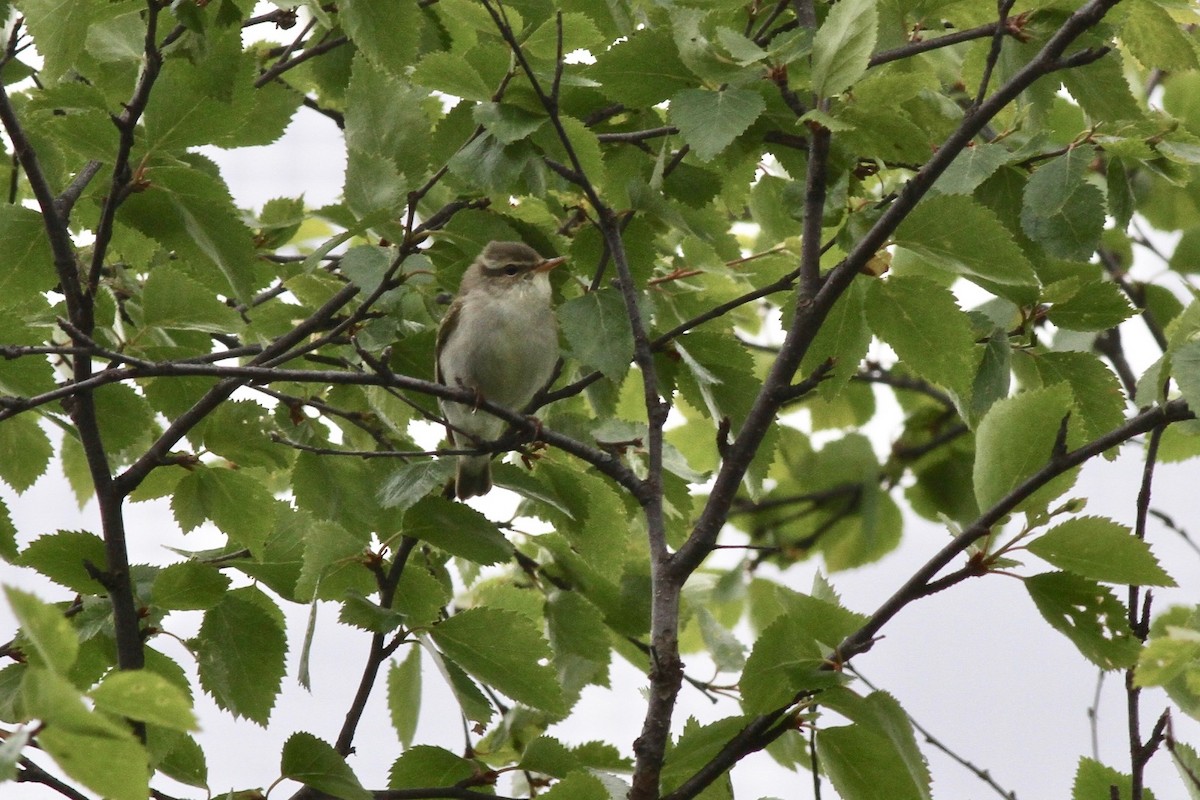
89,759
316,764
971,167
449,73
192,212
387,33
596,327
426,765
1098,399
1096,306
844,337
27,451
61,32
27,256
55,643
787,659
410,482
1102,550
223,495
178,756
1015,440
696,746
643,70
63,557
189,585
507,123
1060,210
334,563
240,652
843,46
1185,369
877,756
1095,781
504,650
1156,39
1088,614
145,696
404,695
174,301
458,529
710,121
924,325
958,234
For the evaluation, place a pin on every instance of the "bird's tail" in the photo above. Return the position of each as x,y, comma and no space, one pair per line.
473,477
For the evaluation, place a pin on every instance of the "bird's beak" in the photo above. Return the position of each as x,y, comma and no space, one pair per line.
549,264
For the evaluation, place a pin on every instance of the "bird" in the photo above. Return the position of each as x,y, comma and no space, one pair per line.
499,339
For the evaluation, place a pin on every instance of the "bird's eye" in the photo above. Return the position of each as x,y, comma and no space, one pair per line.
511,269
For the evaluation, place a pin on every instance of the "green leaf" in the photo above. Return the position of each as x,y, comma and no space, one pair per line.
458,529
1016,439
145,696
124,416
1061,211
504,650
877,756
90,758
789,655
1102,550
426,765
334,563
720,374
1088,614
696,746
314,763
843,46
223,496
387,33
55,643
972,166
410,482
178,756
507,123
843,337
28,271
190,211
189,585
1099,401
60,29
957,234
1095,781
579,785
578,32
404,695
452,74
240,652
10,752
710,121
63,557
172,300
1187,761
1172,658
343,490
1185,369
27,452
924,325
1156,39
596,327
642,70
1096,306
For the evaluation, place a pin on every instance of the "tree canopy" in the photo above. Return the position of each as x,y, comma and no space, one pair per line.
834,267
